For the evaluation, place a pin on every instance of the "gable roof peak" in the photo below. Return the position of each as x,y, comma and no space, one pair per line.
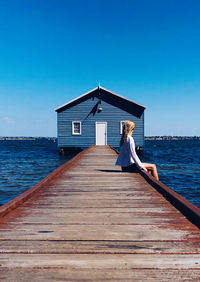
93,90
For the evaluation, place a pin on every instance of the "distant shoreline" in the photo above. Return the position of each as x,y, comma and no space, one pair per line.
28,138
172,138
146,138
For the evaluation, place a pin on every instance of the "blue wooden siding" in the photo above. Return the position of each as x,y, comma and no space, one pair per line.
110,114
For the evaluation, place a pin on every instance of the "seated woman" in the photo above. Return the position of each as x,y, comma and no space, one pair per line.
128,158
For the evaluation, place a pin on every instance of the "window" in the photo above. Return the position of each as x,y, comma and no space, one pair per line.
121,126
76,127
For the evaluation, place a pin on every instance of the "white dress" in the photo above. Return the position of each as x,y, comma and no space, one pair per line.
127,155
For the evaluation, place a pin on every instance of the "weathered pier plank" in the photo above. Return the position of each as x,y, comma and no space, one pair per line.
91,222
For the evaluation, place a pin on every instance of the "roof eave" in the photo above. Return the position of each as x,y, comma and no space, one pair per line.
123,97
99,87
57,109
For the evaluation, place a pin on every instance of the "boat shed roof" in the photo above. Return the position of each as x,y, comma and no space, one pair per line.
109,97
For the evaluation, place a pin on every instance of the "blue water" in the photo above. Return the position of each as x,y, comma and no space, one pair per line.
178,163
25,163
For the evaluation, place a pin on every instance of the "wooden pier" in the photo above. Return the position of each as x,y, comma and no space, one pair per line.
88,221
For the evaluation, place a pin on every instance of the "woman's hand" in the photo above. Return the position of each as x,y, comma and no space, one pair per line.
145,169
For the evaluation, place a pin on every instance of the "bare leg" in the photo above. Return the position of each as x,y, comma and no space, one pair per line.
152,168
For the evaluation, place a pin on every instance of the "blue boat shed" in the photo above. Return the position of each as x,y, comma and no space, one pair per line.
96,118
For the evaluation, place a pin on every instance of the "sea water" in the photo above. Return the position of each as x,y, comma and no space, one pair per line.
23,163
178,163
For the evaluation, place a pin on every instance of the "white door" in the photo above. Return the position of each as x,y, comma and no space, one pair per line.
101,133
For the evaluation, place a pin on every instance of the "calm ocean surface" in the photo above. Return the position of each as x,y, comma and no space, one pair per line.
178,163
23,163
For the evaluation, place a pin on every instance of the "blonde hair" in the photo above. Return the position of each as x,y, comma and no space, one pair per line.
127,130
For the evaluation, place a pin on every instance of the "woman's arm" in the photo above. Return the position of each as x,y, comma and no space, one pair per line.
134,155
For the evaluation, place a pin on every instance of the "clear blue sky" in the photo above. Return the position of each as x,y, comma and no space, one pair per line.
52,51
